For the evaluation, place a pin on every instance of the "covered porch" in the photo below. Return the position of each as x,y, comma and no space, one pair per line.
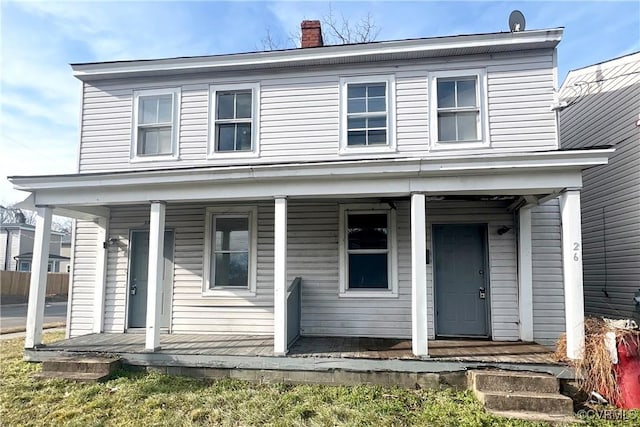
528,181
317,354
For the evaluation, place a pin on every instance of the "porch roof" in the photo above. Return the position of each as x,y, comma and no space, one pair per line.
502,173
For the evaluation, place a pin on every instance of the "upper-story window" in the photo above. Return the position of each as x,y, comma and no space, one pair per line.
234,120
155,130
367,114
458,109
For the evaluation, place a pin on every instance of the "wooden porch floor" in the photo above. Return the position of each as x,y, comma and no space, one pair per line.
313,347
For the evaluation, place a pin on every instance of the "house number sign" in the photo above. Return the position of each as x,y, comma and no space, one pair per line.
576,251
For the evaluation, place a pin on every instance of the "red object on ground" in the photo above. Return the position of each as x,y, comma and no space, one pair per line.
628,373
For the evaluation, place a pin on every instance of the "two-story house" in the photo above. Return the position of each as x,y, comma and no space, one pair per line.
416,187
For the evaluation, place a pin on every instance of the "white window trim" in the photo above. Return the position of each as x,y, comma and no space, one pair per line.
392,260
390,80
481,91
255,123
250,291
175,131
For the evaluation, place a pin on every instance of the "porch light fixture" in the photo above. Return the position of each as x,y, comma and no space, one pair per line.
504,229
112,242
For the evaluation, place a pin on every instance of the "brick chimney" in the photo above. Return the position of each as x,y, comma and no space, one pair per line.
311,34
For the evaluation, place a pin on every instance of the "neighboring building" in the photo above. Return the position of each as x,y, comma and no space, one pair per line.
415,186
16,246
603,108
65,251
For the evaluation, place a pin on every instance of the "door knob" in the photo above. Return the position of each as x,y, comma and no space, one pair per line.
481,272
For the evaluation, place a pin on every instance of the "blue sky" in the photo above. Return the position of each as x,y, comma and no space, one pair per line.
39,99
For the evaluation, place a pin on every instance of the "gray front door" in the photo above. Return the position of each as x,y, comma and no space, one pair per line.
138,271
461,283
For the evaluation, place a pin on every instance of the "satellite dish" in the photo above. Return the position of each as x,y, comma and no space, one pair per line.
516,21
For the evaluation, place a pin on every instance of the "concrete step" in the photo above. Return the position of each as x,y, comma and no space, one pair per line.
545,403
513,381
82,365
79,377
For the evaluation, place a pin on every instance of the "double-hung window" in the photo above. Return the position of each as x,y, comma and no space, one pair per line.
155,124
230,253
457,108
234,120
368,250
367,114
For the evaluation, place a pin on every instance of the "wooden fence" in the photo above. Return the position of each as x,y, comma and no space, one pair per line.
16,283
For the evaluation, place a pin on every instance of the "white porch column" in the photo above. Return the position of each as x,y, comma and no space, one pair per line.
525,275
280,278
572,269
102,247
418,276
38,284
155,275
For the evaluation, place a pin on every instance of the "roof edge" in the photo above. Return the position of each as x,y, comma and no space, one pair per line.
327,54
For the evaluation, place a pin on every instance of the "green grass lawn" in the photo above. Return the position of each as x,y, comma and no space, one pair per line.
145,399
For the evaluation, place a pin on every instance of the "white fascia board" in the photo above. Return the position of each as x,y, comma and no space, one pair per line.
516,182
577,159
436,46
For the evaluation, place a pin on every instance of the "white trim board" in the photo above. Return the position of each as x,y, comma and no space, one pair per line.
515,183
362,52
435,166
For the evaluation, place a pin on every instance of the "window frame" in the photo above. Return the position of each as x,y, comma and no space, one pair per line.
255,120
392,257
175,126
390,82
230,291
480,75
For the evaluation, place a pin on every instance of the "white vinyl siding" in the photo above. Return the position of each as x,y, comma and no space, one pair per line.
300,117
192,312
548,284
313,247
604,106
313,242
520,95
316,258
83,279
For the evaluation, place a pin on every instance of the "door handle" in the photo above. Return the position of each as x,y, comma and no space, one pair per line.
134,287
482,293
